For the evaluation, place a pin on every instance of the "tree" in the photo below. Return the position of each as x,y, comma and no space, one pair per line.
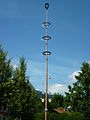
5,78
16,92
20,91
62,116
57,101
26,99
79,95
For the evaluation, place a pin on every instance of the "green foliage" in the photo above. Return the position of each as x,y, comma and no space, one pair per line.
39,116
63,116
5,77
57,101
16,92
75,116
79,95
26,100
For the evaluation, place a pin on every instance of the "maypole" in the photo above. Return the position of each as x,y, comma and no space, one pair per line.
46,38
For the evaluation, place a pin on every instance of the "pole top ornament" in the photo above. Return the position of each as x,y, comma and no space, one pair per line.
46,5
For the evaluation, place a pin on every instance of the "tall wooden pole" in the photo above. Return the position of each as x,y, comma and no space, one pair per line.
46,67
46,38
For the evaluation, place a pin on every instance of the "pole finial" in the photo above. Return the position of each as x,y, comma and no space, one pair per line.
46,5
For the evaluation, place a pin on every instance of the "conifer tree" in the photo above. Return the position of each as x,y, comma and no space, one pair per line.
16,92
5,78
79,94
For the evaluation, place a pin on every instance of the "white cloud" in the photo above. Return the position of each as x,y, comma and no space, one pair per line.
72,76
15,63
88,62
15,66
36,71
58,88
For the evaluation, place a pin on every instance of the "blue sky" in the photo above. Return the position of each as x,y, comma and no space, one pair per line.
21,32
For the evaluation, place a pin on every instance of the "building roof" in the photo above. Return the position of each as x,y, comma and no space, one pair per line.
60,110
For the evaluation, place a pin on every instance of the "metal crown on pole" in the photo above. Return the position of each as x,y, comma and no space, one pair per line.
46,38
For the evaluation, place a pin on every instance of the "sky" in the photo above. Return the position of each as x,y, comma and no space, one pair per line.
21,32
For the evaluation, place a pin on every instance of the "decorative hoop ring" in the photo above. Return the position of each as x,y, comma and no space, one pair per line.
46,38
46,52
46,24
